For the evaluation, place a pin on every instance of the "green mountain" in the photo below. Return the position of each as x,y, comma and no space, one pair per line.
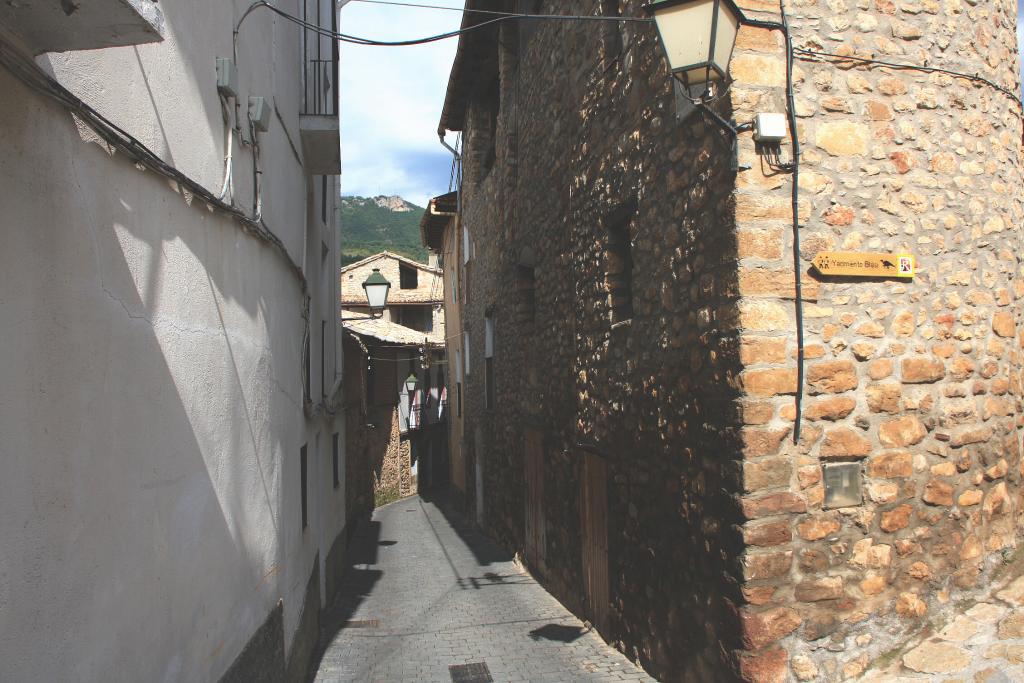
370,225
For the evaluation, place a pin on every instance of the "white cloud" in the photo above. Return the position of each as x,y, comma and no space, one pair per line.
391,100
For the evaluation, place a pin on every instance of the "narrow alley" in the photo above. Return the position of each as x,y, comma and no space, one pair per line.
426,596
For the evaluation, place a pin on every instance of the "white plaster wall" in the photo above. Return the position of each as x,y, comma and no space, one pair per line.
151,412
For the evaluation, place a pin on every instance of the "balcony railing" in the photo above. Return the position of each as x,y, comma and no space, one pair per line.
423,417
319,98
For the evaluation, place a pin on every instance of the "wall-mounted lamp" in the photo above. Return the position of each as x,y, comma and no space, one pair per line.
376,287
698,37
410,383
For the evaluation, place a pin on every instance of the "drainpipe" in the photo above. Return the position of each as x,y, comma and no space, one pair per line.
458,160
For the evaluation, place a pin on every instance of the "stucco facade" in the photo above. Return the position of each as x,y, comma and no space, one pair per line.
637,297
156,402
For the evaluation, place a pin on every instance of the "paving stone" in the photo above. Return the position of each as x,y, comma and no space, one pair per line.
936,658
444,595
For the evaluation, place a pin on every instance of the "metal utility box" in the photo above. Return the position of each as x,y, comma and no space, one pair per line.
259,113
227,77
770,128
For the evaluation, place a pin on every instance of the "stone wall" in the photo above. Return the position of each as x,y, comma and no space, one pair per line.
917,381
588,142
723,560
378,463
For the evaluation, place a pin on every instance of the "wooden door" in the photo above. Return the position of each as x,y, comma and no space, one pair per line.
594,525
534,480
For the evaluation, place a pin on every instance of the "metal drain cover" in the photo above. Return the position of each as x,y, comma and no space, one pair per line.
361,623
477,672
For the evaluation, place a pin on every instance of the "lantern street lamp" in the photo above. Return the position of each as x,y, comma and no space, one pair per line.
410,383
698,37
376,288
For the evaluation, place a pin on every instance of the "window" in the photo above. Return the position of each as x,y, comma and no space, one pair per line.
458,382
611,40
529,26
302,476
525,287
420,318
323,199
371,381
334,460
492,105
619,263
489,391
306,395
465,351
407,276
323,358
455,283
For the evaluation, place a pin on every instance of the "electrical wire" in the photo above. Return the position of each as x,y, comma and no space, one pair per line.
36,79
356,40
228,161
817,55
795,202
794,168
505,14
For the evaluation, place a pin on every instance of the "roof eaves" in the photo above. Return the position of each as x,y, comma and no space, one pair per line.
389,254
469,62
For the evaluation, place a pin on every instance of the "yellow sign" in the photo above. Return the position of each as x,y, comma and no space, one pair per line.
864,264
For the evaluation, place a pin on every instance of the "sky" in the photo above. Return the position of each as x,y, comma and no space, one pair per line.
391,99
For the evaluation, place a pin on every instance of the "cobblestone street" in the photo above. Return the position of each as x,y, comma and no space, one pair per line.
425,594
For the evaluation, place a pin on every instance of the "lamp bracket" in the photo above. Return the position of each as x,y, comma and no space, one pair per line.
734,129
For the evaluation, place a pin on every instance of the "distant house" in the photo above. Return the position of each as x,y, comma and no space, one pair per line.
415,298
398,439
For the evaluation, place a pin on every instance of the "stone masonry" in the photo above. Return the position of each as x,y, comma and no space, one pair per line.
662,329
919,382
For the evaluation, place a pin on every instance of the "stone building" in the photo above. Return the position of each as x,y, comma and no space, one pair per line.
170,356
414,301
670,407
394,439
441,234
397,440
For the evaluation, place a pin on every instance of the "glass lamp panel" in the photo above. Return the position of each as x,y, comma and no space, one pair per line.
377,295
686,33
728,27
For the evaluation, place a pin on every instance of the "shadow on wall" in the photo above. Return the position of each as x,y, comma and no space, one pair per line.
175,416
631,347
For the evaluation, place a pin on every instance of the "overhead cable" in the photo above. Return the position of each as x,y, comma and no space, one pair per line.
117,138
578,17
357,40
816,55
